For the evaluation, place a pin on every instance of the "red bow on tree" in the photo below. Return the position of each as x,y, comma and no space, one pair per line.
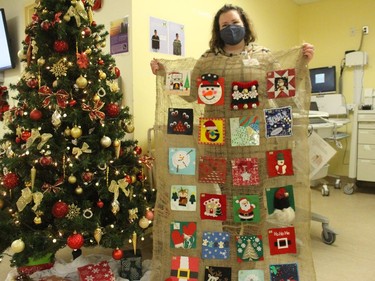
95,112
61,96
47,187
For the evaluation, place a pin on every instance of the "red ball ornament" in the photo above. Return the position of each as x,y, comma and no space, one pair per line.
128,179
138,150
75,241
100,204
45,25
45,161
141,176
25,135
116,71
60,209
86,31
60,46
36,114
72,102
117,254
149,215
32,83
100,62
112,110
27,39
10,180
87,176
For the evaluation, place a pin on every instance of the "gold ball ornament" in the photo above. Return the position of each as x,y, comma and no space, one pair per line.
76,132
96,98
41,61
134,178
116,143
67,132
102,75
66,18
143,223
37,220
78,190
72,179
17,246
129,128
105,141
88,51
81,82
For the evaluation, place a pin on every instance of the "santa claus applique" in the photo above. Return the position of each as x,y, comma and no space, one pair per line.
246,210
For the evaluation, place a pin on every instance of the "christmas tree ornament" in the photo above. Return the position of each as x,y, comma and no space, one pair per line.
98,234
36,114
72,102
117,146
75,241
128,179
1,203
138,150
87,213
105,141
17,246
81,82
96,98
56,118
45,161
143,222
102,75
66,18
45,25
67,132
37,220
41,61
116,71
32,83
134,240
60,209
32,177
76,132
72,179
149,215
25,135
88,51
117,254
86,32
112,110
129,127
115,207
101,62
134,178
60,46
10,181
87,176
100,204
78,190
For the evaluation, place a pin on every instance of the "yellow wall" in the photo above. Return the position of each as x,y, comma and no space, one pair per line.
334,26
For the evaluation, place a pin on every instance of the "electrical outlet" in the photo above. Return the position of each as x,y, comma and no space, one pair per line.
365,29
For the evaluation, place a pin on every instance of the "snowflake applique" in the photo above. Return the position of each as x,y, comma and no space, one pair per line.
89,278
59,69
74,211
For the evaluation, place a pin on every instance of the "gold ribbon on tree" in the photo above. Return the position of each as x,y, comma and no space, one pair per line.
27,196
94,112
78,151
61,96
114,188
133,214
35,135
6,148
77,11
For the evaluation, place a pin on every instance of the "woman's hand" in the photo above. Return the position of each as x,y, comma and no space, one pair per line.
155,66
308,51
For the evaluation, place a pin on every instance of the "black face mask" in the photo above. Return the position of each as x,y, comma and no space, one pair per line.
232,34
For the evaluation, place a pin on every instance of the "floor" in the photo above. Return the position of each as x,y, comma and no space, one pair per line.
352,217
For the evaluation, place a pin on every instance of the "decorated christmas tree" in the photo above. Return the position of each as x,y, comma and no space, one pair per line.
70,176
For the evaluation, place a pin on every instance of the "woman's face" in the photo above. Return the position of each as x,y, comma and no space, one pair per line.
229,18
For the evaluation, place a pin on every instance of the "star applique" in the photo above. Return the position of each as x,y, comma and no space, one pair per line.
246,176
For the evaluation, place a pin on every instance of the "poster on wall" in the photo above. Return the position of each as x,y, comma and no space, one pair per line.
166,37
119,36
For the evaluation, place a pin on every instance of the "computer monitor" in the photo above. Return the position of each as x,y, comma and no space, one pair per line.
323,80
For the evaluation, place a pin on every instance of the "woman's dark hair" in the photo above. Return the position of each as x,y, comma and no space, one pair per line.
216,41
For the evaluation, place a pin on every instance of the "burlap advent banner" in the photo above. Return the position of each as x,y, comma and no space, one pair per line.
232,169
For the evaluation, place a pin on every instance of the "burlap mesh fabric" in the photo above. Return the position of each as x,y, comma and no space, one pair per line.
232,69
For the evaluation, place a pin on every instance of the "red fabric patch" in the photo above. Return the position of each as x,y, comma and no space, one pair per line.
213,207
279,163
281,83
212,169
282,240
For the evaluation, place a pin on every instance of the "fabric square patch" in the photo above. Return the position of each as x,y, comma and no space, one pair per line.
183,235
213,206
95,272
279,163
212,169
245,171
288,271
250,275
183,197
282,240
217,273
215,245
246,208
184,268
281,83
244,95
180,121
178,83
280,203
211,131
182,161
210,89
279,122
249,248
244,131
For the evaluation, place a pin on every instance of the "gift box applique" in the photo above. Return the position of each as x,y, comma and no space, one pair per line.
245,171
180,121
183,235
213,206
96,272
288,271
251,275
211,131
183,197
182,161
217,273
245,95
249,248
281,83
131,265
244,131
184,268
178,83
280,204
246,208
212,169
282,240
279,163
210,89
215,245
279,122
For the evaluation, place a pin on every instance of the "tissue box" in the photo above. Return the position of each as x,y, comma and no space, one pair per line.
96,272
131,265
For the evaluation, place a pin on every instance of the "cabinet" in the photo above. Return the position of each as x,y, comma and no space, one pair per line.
366,145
